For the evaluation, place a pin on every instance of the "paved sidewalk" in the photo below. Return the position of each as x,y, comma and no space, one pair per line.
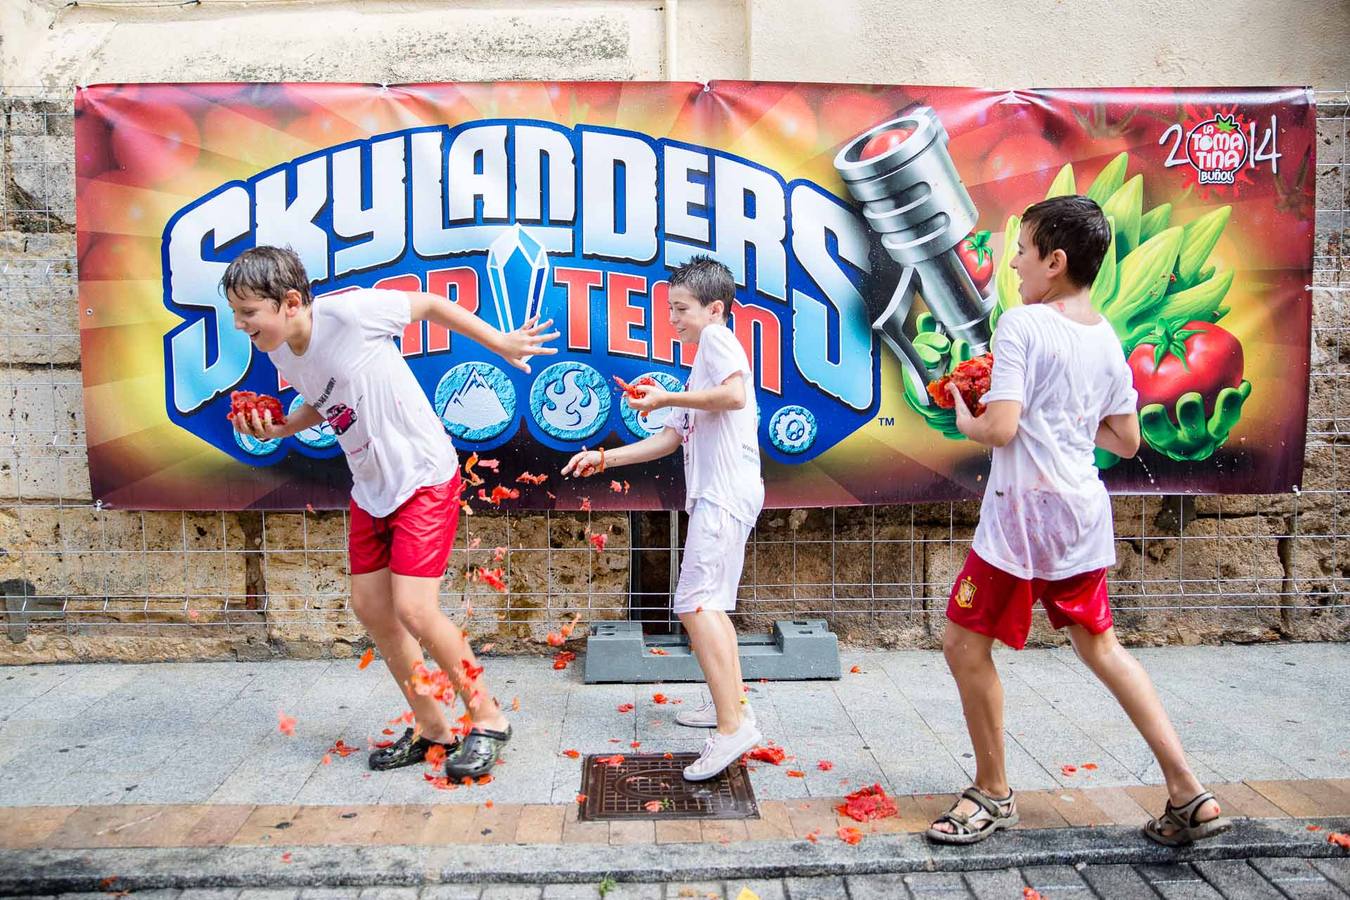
207,732
164,771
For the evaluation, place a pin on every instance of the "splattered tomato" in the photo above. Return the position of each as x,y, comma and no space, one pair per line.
1179,358
247,403
868,803
978,258
971,377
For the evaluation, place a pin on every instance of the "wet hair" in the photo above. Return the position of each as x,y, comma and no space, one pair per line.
707,279
1074,224
267,272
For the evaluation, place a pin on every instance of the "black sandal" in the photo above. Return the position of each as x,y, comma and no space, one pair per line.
406,751
992,814
477,753
1185,828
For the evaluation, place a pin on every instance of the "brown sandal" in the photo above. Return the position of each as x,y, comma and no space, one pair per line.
1186,828
991,815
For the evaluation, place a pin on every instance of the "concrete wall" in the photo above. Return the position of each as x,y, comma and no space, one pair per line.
1023,44
1270,567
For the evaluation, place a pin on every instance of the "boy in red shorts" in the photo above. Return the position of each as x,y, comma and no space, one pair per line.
340,355
1060,387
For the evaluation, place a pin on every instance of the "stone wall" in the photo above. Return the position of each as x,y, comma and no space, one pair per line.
127,585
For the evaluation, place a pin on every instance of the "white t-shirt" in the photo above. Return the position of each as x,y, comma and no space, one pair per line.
721,449
354,375
1046,513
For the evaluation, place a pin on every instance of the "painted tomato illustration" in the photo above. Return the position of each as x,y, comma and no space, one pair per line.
1179,358
1018,154
884,142
978,258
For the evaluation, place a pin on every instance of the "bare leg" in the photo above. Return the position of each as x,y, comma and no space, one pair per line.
971,660
1133,689
417,606
373,603
729,630
716,655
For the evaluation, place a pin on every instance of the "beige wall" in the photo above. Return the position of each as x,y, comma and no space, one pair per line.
1024,44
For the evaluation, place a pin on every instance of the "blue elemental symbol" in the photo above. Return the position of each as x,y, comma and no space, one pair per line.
793,429
654,421
320,436
517,268
253,446
476,401
570,401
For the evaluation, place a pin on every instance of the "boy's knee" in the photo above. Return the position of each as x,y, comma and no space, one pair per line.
413,617
367,607
1095,648
961,652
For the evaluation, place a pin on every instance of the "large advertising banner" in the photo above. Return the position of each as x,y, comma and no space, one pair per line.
869,230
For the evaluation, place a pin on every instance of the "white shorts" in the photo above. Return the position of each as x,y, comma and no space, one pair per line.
714,555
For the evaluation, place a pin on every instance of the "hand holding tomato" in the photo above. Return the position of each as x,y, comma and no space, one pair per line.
634,391
257,415
650,397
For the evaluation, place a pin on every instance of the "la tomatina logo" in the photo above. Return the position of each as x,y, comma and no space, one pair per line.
510,218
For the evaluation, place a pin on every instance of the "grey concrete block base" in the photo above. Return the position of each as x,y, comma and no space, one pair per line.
797,650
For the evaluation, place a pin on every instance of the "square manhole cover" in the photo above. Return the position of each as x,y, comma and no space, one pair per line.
651,786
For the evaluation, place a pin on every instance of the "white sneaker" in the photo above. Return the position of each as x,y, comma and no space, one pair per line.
722,750
705,716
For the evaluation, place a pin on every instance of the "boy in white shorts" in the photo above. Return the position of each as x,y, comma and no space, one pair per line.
715,419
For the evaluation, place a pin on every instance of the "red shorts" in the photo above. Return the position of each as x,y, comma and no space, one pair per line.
991,602
414,539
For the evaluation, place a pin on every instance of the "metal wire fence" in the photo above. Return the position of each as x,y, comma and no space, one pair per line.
1191,567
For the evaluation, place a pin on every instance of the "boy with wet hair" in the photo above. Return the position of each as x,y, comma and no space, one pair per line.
339,353
1060,388
714,419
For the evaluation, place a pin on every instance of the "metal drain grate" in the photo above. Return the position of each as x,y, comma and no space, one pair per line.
622,789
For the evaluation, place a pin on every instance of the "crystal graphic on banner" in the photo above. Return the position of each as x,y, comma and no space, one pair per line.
517,267
476,401
570,401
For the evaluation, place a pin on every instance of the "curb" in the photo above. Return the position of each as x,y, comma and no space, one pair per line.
56,871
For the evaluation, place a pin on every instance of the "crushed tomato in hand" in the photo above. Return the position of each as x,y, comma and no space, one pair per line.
971,378
246,403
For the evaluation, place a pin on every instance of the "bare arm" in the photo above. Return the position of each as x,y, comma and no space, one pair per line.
516,347
1119,435
995,427
587,462
728,395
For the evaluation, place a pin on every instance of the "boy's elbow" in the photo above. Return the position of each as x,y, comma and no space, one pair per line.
1002,435
1132,446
